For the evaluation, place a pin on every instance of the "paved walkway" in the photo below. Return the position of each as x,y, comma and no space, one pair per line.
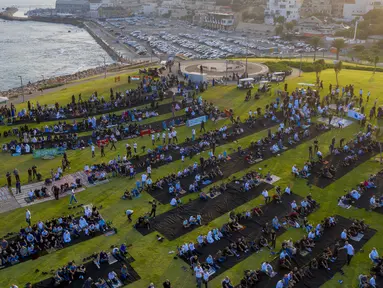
11,201
7,201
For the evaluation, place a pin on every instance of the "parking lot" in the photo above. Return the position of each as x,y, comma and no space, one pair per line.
161,38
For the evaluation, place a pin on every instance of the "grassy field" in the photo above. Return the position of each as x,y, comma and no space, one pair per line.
86,87
153,261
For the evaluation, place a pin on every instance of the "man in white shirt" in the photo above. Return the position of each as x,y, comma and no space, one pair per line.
350,251
198,274
265,194
93,148
129,213
143,179
374,256
28,216
174,135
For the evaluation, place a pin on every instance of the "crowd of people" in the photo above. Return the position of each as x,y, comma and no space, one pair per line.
292,113
290,251
51,234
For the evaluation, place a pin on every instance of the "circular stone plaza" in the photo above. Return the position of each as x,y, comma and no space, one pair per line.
220,68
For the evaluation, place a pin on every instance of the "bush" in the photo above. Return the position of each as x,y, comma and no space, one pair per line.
309,67
278,67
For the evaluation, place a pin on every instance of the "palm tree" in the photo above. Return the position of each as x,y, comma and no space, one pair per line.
318,68
374,60
339,44
337,69
316,42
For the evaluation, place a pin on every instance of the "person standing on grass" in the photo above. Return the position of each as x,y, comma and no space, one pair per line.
266,196
34,172
16,173
350,251
102,150
93,149
149,171
198,275
72,197
113,143
29,175
193,134
128,151
206,278
154,208
28,216
202,126
129,213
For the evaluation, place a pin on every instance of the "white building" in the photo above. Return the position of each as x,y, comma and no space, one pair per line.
97,4
219,21
289,9
359,8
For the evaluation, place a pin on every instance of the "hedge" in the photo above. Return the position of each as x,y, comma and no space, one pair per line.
278,67
309,67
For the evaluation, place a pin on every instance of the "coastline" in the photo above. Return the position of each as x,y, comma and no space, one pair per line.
58,81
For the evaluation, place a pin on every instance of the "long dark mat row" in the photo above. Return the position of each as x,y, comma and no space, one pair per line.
236,164
336,160
137,102
252,231
95,273
320,276
117,120
364,201
156,126
170,224
74,241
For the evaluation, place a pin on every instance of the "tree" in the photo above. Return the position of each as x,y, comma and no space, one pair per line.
315,42
358,48
319,66
290,26
373,59
280,20
339,44
337,68
279,30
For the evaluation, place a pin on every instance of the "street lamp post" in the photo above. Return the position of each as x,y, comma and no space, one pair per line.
300,67
247,52
104,65
22,87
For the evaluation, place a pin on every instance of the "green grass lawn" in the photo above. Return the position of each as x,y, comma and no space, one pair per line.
86,87
153,261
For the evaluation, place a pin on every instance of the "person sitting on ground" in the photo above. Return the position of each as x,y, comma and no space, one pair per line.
267,269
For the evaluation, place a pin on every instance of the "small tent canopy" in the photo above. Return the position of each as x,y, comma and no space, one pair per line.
3,100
